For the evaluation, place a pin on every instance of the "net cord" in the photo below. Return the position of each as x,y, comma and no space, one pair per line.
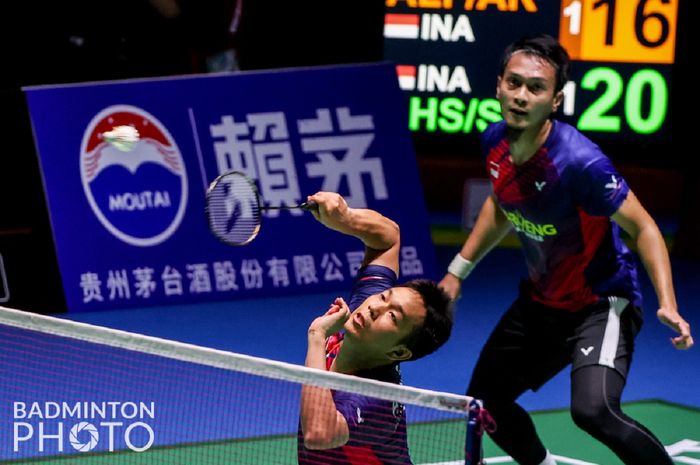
233,361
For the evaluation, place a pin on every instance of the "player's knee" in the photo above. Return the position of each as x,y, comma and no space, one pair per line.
591,415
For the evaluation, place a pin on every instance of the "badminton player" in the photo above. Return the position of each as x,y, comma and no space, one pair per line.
581,304
381,325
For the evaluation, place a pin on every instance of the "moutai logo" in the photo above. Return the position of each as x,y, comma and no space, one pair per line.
139,195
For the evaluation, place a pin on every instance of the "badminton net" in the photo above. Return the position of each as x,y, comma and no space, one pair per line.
77,393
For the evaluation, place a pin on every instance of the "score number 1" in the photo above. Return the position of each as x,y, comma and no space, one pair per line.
632,31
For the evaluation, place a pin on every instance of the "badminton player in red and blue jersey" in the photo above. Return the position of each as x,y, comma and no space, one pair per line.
580,303
383,324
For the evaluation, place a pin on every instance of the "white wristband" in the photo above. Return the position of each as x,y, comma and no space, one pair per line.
460,267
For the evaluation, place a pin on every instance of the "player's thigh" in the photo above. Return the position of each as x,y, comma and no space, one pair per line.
516,358
606,337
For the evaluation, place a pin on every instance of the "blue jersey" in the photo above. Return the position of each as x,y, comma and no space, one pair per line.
560,202
377,427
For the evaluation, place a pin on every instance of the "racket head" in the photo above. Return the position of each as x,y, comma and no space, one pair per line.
233,208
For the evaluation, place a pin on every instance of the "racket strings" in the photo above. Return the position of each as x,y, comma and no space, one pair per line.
234,209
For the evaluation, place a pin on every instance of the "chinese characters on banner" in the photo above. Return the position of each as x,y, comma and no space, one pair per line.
130,227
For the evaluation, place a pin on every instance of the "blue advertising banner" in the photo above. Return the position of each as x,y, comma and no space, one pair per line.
130,227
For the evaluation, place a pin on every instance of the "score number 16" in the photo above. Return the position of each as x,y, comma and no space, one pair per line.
633,31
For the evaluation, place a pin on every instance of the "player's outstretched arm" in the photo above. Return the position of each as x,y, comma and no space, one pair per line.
322,425
380,234
490,227
635,220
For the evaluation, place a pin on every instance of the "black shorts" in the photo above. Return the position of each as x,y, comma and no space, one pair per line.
533,342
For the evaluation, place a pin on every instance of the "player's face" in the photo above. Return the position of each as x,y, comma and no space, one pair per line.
526,91
383,320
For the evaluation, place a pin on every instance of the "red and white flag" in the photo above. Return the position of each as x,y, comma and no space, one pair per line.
397,26
407,76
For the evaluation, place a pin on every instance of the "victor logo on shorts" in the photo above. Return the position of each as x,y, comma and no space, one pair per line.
586,351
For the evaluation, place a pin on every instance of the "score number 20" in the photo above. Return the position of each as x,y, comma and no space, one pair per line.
597,116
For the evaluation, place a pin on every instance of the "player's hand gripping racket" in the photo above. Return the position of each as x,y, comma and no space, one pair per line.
234,208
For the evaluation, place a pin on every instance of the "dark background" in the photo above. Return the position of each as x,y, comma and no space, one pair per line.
76,41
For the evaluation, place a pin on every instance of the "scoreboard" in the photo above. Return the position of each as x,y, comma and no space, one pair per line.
447,55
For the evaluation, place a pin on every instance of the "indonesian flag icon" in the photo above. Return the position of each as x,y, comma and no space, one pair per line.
398,26
407,76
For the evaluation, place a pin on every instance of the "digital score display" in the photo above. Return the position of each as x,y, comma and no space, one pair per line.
448,55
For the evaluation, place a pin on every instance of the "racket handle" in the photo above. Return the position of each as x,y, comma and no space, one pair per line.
309,206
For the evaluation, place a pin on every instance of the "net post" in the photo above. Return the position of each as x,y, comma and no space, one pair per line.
473,452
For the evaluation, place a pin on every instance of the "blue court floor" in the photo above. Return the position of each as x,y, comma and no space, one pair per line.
275,328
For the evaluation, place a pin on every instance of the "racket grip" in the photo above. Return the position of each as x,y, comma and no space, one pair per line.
309,206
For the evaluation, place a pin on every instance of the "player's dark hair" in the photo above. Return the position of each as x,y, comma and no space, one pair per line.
437,326
546,47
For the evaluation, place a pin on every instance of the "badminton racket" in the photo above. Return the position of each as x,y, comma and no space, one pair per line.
234,208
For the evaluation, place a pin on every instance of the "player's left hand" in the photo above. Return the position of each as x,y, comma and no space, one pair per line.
333,320
674,321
